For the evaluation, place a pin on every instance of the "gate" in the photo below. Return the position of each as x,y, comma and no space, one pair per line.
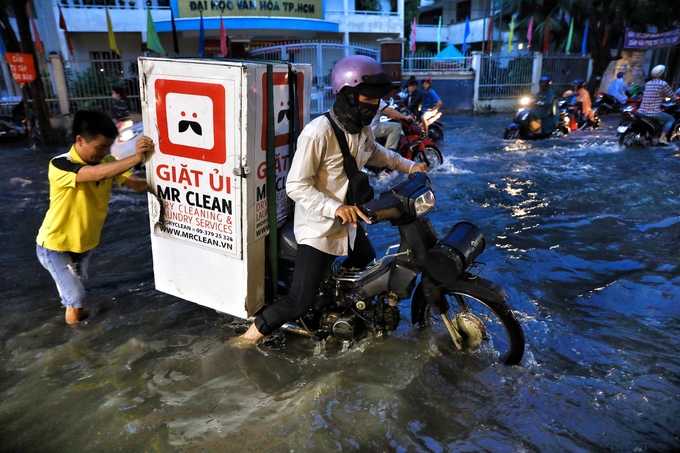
322,57
504,76
563,69
511,76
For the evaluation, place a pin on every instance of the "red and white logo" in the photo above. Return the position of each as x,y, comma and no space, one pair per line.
283,108
191,120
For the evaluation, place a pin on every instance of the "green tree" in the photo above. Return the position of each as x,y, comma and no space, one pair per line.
607,21
25,45
410,11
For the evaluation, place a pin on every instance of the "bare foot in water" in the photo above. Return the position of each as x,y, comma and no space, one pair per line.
252,334
73,315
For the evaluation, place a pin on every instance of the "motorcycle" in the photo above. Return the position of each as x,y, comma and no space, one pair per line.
527,126
644,131
11,130
435,127
353,303
413,145
606,103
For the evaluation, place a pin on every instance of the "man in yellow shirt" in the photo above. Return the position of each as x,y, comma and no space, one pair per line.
80,189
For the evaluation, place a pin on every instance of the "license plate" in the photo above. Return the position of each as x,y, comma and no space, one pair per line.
621,129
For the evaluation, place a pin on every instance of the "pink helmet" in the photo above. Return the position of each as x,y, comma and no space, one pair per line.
363,73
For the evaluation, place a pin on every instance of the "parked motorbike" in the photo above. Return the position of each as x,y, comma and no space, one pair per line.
413,145
353,303
10,130
527,126
643,131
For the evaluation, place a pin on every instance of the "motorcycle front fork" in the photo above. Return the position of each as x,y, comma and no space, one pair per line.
453,330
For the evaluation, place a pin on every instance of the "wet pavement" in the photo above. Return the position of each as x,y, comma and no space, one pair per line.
584,237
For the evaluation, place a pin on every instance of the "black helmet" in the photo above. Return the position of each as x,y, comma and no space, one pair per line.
579,83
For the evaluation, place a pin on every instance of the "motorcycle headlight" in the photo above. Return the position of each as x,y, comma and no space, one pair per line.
424,203
524,101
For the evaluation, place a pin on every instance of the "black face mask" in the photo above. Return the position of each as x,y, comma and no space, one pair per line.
347,113
367,112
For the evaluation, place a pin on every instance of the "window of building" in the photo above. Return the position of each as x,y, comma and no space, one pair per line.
463,10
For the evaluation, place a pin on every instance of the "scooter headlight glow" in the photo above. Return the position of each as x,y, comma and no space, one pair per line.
525,101
424,203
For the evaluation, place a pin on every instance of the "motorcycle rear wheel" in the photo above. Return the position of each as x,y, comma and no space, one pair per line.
634,139
502,334
430,155
435,133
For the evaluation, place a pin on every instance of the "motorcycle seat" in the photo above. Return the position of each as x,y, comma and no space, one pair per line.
287,242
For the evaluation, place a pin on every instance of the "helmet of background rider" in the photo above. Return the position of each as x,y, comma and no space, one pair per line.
427,80
658,71
545,80
579,83
362,75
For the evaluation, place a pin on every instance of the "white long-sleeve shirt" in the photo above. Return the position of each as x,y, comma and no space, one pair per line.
318,184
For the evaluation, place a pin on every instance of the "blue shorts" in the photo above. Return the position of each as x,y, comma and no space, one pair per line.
68,270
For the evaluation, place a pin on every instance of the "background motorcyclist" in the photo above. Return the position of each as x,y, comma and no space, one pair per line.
656,91
431,104
618,89
583,97
325,226
389,130
413,99
544,110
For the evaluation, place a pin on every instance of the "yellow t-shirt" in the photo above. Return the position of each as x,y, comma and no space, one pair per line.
77,211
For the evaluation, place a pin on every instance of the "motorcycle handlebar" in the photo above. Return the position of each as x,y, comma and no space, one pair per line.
382,209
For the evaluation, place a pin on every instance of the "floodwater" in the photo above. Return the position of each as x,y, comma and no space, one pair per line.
583,236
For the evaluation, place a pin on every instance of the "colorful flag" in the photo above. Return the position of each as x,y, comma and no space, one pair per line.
201,38
466,34
174,32
62,25
489,34
223,38
571,33
413,35
585,39
36,36
112,39
512,32
152,40
530,32
439,35
546,40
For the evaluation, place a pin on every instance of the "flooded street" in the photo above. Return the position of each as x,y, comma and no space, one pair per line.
583,236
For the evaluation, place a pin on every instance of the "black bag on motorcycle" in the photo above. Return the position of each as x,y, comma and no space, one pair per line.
447,260
360,190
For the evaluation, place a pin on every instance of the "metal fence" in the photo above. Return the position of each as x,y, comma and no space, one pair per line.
563,69
322,56
90,81
89,85
429,62
504,77
511,76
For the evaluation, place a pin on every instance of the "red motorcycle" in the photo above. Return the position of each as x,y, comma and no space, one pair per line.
415,146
